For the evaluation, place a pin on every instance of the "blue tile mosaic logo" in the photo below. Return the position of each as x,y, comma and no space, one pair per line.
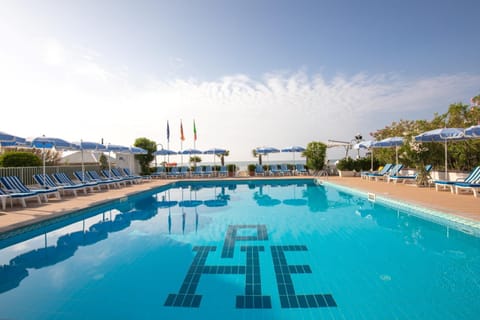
252,298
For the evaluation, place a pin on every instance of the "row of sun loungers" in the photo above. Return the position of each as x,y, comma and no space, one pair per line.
281,170
60,183
391,172
183,172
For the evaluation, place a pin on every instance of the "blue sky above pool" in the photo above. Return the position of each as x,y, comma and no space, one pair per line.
251,73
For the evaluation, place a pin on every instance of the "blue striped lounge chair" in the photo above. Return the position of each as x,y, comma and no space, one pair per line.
20,196
275,170
473,185
383,171
259,171
300,169
64,180
111,181
208,171
285,170
405,178
111,175
83,177
395,170
198,171
462,184
131,174
159,173
13,184
223,172
45,181
121,174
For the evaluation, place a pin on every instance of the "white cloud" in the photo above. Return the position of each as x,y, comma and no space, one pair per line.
77,96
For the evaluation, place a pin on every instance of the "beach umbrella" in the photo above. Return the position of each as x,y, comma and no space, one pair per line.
215,151
137,150
294,149
165,152
266,150
190,151
442,135
472,132
49,143
388,143
8,140
88,146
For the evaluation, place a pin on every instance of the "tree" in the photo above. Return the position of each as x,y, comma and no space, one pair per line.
222,156
195,160
19,159
257,155
316,154
103,161
145,159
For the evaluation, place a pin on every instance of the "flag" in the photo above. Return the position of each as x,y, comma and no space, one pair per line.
168,132
194,131
182,137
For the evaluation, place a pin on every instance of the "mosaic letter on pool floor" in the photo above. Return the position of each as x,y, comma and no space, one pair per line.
286,290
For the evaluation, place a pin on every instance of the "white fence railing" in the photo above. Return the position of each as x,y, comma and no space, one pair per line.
26,173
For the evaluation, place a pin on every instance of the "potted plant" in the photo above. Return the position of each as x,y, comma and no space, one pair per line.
251,169
232,169
346,167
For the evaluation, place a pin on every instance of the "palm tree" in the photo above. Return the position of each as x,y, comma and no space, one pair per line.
259,155
222,156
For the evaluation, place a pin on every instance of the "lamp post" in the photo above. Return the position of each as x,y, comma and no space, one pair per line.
358,137
158,144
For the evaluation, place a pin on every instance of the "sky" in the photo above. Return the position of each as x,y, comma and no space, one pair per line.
250,73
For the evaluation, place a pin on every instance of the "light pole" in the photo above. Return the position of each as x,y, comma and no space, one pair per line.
158,144
358,138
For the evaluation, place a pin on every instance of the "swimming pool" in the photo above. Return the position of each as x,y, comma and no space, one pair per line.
253,250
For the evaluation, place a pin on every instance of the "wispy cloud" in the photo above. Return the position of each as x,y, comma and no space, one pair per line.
72,93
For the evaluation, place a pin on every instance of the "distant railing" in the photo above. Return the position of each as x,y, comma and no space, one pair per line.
26,173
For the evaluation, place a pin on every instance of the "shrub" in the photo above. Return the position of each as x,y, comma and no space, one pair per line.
20,159
231,167
346,164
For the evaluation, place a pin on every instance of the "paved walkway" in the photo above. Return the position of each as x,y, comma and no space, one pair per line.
464,205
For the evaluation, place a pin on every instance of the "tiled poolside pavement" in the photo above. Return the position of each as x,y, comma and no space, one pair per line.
464,205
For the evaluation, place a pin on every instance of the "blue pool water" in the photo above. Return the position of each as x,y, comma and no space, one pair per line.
287,250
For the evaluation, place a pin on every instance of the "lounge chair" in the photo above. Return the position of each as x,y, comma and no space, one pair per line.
109,174
20,196
275,170
223,171
159,173
259,171
45,181
208,171
473,185
470,179
174,172
285,170
65,180
13,184
112,181
128,173
121,174
300,169
198,172
404,178
85,178
395,170
382,172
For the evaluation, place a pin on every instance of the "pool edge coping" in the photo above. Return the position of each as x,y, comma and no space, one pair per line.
468,226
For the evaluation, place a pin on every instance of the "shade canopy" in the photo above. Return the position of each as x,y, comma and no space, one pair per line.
388,142
215,151
363,145
266,150
137,150
7,140
294,149
190,151
473,131
164,152
442,135
90,146
117,148
49,142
